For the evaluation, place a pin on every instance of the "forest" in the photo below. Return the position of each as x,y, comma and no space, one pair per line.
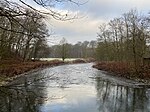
126,41
125,38
84,49
22,32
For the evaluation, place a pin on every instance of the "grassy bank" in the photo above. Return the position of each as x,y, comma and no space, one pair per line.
125,70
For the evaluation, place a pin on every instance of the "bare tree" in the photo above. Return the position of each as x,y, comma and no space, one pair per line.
126,37
63,44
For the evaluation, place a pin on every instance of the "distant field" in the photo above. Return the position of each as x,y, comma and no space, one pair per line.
50,59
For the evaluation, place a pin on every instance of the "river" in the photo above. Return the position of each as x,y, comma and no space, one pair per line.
73,88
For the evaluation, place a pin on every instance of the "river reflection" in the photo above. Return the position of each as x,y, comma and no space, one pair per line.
23,95
73,88
16,100
117,98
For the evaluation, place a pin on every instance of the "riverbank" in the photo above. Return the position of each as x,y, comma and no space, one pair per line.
125,70
10,69
14,68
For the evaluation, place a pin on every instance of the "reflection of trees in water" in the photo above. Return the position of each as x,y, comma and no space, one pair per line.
115,98
21,98
27,94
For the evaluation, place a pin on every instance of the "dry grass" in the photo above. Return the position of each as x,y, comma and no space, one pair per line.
11,68
123,69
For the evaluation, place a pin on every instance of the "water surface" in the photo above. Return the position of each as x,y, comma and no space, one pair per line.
73,88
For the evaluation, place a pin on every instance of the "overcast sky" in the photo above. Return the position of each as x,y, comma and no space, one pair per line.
93,13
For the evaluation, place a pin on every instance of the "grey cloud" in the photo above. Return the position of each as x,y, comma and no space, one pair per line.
79,30
96,11
107,8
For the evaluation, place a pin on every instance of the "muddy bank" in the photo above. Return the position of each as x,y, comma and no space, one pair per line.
125,70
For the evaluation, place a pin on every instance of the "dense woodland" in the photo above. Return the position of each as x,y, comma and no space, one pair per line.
125,38
23,33
84,49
